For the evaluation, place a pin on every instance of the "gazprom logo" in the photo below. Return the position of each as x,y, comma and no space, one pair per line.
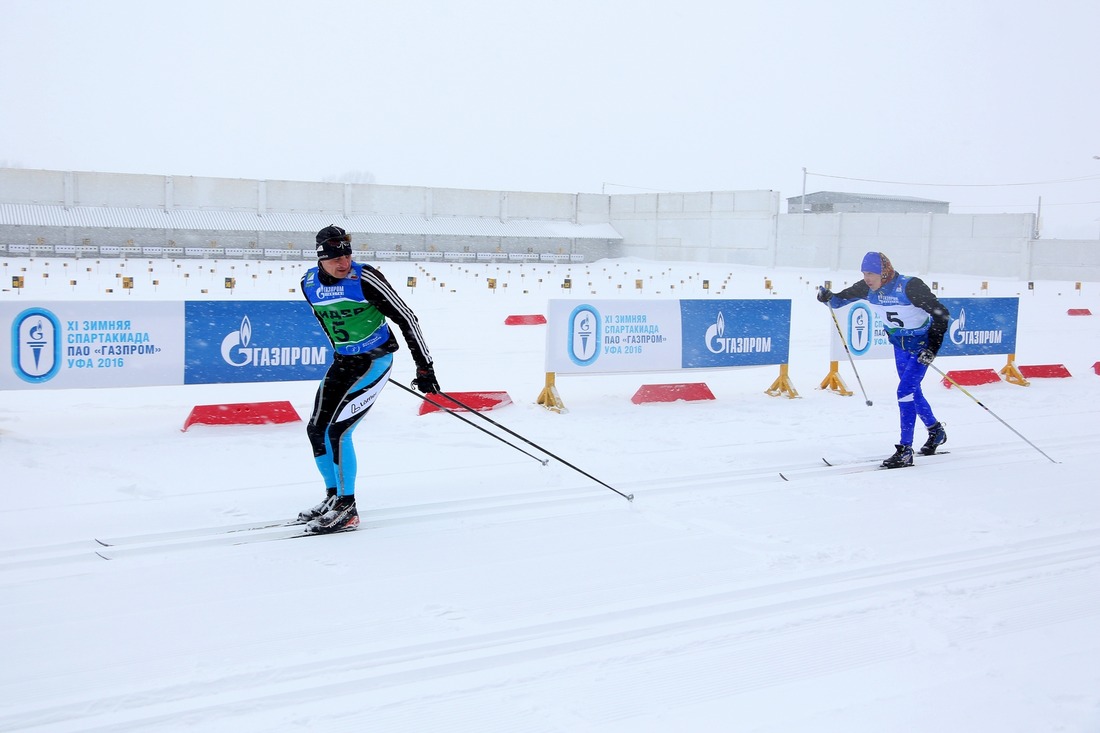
235,344
958,327
963,337
718,343
860,329
584,335
237,350
714,335
36,345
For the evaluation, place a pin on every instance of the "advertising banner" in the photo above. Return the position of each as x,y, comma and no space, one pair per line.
617,336
67,345
61,345
253,341
978,326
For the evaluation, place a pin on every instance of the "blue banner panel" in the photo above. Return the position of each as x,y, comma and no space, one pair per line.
733,333
981,326
253,341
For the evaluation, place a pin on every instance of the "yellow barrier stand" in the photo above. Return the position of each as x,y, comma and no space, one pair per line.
782,384
834,382
1012,374
549,397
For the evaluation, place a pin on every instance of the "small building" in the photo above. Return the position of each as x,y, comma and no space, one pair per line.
837,202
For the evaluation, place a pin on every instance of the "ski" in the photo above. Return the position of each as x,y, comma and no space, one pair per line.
214,537
834,464
840,468
183,534
303,533
199,537
857,465
869,464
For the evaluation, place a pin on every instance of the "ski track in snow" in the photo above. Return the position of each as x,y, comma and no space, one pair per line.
715,635
753,636
484,593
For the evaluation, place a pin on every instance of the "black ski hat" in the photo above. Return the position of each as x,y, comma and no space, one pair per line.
333,242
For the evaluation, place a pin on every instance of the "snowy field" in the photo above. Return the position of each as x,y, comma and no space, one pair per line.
487,593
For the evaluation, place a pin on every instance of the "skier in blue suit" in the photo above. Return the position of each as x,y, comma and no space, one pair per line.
915,322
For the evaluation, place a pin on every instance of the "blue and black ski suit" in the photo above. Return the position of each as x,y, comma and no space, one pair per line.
353,312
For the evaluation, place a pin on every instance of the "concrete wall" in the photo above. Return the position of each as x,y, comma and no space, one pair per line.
102,197
75,188
1074,260
996,245
738,227
712,226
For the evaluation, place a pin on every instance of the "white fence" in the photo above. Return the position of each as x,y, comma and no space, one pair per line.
738,227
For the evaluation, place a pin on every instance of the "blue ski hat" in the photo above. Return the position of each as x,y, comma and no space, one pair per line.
879,264
872,262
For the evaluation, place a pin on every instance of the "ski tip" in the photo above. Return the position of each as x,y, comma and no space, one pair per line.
101,542
783,477
105,557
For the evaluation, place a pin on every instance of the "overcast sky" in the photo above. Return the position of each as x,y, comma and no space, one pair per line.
571,96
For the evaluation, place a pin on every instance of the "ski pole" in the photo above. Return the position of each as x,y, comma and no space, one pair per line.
469,422
849,353
629,498
949,379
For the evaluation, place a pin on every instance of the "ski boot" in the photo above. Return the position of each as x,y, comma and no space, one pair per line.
937,436
340,516
902,457
320,509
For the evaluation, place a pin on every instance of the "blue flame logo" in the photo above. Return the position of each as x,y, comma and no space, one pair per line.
36,345
584,335
860,329
233,340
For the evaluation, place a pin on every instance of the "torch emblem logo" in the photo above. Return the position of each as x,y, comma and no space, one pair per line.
36,345
584,335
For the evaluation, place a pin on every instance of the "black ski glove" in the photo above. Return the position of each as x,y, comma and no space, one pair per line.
425,380
824,295
926,356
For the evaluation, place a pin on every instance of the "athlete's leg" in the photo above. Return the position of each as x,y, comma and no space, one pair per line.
924,410
910,374
355,405
334,387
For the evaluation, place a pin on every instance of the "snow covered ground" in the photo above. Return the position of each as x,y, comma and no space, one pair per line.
485,592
